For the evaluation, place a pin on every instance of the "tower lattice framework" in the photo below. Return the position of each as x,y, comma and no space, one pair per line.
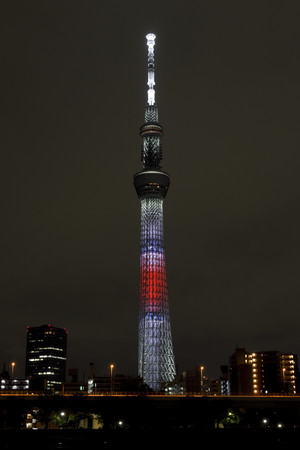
155,358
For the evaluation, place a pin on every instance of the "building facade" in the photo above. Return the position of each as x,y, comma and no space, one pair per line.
195,382
16,384
240,373
263,372
46,355
156,364
115,383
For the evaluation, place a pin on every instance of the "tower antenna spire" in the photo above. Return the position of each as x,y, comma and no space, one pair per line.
151,83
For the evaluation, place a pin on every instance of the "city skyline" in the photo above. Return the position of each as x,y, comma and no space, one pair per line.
73,96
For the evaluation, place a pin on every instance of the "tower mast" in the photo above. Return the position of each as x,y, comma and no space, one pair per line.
155,355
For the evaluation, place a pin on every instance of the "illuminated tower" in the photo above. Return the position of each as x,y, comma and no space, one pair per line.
156,357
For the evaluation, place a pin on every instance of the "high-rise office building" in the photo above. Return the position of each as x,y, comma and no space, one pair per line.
156,357
46,355
263,372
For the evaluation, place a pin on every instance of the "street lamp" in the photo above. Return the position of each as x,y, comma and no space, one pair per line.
283,379
111,377
12,369
265,421
201,379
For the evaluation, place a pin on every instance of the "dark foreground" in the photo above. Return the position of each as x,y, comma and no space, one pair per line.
146,422
133,439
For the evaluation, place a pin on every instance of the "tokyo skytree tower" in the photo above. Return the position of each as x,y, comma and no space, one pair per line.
155,358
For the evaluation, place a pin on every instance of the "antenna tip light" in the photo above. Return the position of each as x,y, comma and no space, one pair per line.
150,38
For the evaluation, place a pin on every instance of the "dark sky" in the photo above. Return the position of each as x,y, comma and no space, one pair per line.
73,91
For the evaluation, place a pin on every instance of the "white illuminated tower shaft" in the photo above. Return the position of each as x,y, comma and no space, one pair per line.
156,358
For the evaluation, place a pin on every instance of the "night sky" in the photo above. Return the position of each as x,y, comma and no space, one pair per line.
73,91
